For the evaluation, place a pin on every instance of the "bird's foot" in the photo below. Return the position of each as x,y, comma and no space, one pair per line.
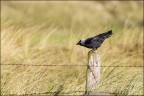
91,51
94,51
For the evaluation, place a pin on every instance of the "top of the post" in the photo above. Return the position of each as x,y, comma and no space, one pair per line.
92,52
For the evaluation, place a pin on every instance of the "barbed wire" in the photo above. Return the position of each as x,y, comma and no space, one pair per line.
61,65
70,93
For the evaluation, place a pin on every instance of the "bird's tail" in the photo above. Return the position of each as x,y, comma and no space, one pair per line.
106,34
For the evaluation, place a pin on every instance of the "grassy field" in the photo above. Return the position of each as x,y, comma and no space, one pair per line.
47,32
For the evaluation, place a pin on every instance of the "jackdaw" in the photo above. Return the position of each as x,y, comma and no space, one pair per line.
96,41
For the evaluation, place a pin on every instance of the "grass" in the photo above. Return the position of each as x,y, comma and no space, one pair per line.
47,32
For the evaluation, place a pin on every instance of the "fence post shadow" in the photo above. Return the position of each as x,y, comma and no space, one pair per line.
92,71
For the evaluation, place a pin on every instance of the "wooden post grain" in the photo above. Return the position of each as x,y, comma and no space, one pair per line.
93,71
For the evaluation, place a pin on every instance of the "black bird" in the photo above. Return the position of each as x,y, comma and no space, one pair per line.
96,41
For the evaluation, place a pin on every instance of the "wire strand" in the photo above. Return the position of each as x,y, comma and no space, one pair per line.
61,65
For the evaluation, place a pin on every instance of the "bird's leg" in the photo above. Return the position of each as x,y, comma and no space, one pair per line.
94,49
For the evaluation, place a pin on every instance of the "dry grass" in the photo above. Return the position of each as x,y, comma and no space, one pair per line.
47,33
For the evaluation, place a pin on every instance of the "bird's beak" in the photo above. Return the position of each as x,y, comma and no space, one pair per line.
78,43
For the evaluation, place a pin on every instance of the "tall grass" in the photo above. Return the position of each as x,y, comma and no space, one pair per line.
47,33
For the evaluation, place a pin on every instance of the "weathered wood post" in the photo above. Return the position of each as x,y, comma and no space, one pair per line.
93,71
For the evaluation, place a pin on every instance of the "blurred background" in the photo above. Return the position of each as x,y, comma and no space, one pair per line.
46,32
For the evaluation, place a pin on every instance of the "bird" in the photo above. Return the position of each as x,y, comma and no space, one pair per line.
95,42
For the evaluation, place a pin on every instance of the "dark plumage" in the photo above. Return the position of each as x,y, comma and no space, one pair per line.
96,41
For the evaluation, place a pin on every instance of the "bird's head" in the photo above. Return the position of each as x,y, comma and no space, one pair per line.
81,42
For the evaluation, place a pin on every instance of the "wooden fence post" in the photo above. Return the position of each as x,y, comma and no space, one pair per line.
92,71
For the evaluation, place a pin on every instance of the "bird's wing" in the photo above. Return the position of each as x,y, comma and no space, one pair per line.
93,40
88,41
105,34
97,40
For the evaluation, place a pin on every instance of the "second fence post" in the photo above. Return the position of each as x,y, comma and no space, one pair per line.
92,71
